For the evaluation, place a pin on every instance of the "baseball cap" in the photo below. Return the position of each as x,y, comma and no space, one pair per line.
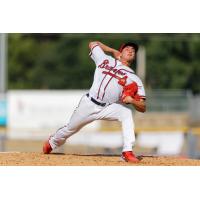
132,44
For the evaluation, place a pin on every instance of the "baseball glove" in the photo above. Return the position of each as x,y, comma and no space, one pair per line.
130,90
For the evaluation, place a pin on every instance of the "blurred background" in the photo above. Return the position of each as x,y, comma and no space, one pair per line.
43,76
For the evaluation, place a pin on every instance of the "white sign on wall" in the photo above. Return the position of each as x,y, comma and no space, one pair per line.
35,114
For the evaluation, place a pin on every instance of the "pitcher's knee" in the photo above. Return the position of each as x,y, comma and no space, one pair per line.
61,136
64,132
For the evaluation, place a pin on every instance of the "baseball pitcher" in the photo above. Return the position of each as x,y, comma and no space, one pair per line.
115,84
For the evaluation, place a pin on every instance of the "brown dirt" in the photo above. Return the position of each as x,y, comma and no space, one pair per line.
39,159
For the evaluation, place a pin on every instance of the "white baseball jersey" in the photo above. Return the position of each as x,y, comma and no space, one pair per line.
105,87
105,90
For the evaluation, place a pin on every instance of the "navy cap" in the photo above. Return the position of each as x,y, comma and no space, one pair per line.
134,45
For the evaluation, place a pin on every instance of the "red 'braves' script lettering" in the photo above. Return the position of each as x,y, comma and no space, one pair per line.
105,65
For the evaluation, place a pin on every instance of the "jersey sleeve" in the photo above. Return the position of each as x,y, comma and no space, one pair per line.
97,54
141,90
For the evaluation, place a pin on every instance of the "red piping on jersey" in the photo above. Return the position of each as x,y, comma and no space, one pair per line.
104,78
109,80
100,86
106,87
92,49
126,71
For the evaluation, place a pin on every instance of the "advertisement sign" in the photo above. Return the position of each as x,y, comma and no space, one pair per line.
3,117
35,114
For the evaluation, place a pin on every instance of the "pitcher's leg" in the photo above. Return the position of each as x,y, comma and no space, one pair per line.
82,115
126,119
124,115
65,132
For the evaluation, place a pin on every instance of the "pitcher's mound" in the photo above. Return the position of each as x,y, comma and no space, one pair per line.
39,159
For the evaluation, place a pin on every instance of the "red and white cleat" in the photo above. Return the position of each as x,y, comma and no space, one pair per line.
47,148
128,156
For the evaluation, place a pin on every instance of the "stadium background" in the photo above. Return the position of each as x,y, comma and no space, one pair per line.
46,74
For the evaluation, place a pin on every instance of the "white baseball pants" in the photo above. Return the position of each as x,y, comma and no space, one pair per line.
87,112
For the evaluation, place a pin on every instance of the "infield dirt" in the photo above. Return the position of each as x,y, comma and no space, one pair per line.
39,159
